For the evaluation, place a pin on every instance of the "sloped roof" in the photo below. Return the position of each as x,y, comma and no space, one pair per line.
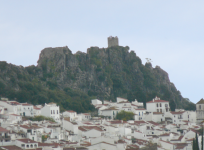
87,128
30,126
26,140
158,101
177,113
201,101
11,147
154,123
180,145
3,130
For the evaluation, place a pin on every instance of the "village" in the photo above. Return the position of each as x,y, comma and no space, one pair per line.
156,126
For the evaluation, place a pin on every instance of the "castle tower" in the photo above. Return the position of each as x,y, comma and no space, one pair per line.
112,41
200,111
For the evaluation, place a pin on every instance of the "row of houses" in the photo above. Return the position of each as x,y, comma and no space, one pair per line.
156,110
153,127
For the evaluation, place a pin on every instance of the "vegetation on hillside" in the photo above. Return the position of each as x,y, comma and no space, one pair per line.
102,73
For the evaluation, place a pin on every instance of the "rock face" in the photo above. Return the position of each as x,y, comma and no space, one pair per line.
108,73
105,74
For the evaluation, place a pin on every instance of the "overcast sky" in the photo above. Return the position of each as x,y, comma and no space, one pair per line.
171,33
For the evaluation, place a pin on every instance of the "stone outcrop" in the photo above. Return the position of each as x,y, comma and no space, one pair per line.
104,73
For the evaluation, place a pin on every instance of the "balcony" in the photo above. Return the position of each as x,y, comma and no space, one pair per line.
5,138
180,117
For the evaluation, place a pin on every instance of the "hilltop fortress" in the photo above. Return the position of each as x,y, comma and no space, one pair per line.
112,41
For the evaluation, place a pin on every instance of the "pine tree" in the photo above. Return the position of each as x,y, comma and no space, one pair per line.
202,140
196,143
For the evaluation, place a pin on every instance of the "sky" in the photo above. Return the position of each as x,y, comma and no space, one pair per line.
171,33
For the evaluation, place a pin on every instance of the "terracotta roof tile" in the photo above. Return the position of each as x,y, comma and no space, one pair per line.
177,113
3,130
26,140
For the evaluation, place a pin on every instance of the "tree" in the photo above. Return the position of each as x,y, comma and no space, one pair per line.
202,140
125,115
196,143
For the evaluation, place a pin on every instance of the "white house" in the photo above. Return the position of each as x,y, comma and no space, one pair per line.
51,110
110,112
154,116
36,111
139,113
85,116
25,109
102,145
96,102
138,104
177,117
119,99
102,139
26,143
70,126
70,113
15,118
32,132
157,105
90,131
10,107
5,137
1,109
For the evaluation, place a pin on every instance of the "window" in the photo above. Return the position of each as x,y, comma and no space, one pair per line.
51,111
142,113
160,105
152,132
160,110
166,109
27,146
35,145
157,110
139,113
199,106
157,105
31,145
188,116
22,145
166,105
57,111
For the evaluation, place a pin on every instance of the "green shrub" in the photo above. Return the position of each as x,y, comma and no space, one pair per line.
125,115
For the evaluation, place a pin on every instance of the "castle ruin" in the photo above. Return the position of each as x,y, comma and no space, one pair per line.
112,41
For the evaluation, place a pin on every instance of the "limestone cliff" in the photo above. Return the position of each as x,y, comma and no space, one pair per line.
101,73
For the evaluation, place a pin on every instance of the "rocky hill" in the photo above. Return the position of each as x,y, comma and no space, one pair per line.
72,80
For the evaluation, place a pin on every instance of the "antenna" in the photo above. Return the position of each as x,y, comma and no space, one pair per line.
149,60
